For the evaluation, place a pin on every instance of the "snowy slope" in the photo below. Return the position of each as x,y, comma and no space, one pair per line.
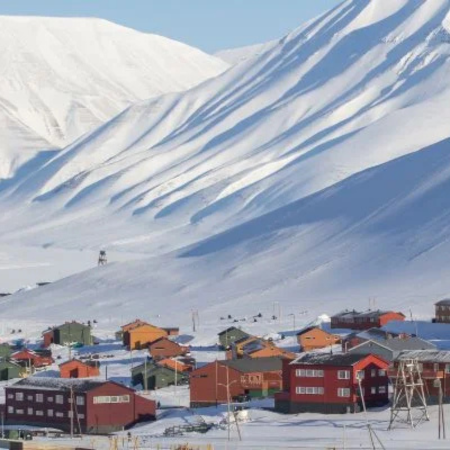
314,174
238,55
60,78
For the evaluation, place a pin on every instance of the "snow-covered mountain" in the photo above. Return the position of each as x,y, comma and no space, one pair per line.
63,77
317,172
239,55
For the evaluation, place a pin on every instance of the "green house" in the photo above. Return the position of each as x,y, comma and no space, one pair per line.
230,336
10,370
68,333
5,351
157,377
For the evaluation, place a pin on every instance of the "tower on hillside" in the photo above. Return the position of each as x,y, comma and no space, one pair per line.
102,260
409,405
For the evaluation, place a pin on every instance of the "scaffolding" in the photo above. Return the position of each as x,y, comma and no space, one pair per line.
409,405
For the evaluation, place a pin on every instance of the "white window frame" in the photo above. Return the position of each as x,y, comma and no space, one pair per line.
40,413
19,396
299,373
381,373
80,400
39,398
344,375
30,411
50,412
10,409
59,399
342,392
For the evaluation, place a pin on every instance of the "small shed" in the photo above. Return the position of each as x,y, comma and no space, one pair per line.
79,369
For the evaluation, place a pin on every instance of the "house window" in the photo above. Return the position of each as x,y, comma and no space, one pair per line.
344,375
30,398
59,399
39,413
50,399
50,412
373,390
360,375
30,411
343,392
309,390
10,409
39,398
111,399
81,416
80,400
382,390
447,368
300,390
381,373
373,373
310,373
19,411
59,414
19,396
10,396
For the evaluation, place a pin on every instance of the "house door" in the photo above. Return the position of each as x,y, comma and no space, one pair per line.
73,373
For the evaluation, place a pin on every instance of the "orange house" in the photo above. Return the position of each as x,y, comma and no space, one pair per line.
271,351
175,365
141,336
314,338
79,369
165,348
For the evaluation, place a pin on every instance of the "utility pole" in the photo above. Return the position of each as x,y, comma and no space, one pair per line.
145,375
293,319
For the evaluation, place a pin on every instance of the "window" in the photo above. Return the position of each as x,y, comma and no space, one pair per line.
81,416
309,373
344,375
381,373
309,390
39,398
19,396
447,368
50,412
343,392
373,390
59,414
80,400
382,390
111,399
30,411
10,410
10,396
30,398
50,399
300,373
39,413
19,411
373,373
360,375
59,399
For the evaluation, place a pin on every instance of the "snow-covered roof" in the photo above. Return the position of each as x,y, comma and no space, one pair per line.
443,302
58,384
327,359
431,356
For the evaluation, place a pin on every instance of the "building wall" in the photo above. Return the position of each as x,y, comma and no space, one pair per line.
141,337
316,339
75,369
231,337
442,314
207,385
72,332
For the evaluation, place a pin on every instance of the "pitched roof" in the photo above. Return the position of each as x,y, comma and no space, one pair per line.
62,384
443,302
312,327
327,359
247,365
366,314
174,365
90,362
398,344
231,329
431,356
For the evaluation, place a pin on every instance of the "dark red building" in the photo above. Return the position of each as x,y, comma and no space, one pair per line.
260,377
89,406
356,320
328,384
165,348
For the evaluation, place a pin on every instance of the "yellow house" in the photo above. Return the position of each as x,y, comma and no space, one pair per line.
142,335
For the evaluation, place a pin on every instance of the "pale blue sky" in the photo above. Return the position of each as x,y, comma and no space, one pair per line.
209,24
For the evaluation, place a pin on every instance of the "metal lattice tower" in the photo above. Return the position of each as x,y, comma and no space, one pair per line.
102,260
409,405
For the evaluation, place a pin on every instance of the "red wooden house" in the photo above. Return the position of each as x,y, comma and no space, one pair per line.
30,359
356,320
79,369
328,384
258,377
90,406
164,348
